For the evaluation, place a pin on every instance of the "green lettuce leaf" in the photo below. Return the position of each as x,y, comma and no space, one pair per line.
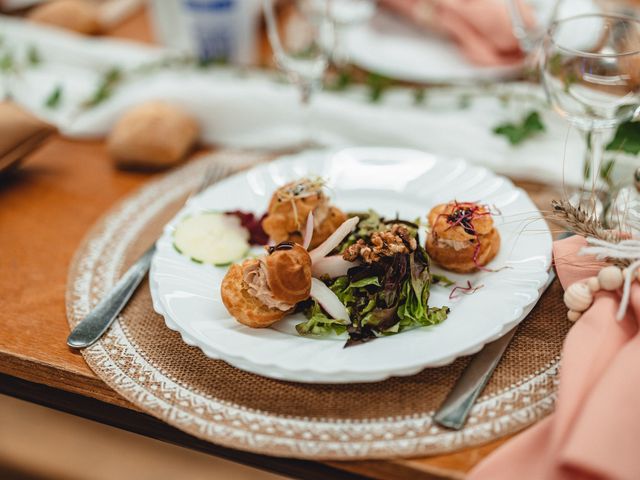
443,280
319,323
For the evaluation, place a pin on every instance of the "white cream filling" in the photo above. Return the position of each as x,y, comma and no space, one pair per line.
255,276
455,244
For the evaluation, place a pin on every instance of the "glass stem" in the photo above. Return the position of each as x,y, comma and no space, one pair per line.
306,91
595,152
339,56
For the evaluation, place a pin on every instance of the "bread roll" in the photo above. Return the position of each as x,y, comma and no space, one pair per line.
75,15
152,135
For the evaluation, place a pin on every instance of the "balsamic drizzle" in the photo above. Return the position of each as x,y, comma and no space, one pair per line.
280,246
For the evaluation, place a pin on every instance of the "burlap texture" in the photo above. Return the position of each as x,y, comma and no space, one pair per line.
531,359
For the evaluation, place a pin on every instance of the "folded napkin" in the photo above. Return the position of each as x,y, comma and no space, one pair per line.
594,432
482,28
21,132
259,111
18,126
10,5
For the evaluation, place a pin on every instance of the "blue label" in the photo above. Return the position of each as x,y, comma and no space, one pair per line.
213,44
208,6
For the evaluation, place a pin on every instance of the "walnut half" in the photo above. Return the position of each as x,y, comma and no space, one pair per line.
396,240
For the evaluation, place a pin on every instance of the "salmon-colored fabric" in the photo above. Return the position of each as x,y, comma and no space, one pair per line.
594,432
482,28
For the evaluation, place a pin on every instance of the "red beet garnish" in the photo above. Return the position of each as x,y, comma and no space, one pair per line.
463,215
468,290
253,224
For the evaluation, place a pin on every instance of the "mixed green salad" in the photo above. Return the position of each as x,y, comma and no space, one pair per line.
387,289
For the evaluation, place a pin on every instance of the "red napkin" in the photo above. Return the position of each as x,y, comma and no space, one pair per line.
482,28
594,432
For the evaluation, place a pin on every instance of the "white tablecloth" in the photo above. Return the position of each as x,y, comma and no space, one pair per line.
255,110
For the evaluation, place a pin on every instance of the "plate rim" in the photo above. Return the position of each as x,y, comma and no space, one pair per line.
476,72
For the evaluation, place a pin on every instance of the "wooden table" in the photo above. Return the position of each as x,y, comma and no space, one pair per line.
46,209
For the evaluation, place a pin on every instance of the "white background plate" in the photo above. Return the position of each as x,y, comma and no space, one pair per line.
393,47
390,181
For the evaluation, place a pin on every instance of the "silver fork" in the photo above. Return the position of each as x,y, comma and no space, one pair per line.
455,409
96,323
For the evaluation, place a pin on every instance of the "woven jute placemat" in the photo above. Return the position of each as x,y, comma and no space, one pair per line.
153,368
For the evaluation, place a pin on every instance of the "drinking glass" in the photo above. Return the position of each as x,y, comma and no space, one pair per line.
529,31
530,20
590,70
302,41
345,14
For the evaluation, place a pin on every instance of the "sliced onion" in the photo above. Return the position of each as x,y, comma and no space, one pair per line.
329,301
332,266
308,232
334,239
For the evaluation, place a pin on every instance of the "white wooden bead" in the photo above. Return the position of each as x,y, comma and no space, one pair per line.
593,284
572,315
578,297
610,278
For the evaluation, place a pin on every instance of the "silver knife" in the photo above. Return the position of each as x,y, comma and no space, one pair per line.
91,328
455,409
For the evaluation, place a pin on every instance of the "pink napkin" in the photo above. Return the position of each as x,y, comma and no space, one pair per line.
482,28
594,432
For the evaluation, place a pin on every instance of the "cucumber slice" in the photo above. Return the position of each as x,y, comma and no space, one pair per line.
211,237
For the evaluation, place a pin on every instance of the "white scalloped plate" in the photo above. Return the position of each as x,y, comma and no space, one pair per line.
388,180
394,47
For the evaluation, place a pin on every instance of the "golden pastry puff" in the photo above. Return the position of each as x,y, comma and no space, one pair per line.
462,237
289,208
259,292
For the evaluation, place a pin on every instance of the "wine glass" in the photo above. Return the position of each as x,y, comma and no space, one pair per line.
345,14
527,28
590,70
530,20
301,40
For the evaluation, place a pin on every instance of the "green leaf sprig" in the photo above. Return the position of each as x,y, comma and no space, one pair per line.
626,138
33,56
107,85
54,98
114,77
378,85
516,133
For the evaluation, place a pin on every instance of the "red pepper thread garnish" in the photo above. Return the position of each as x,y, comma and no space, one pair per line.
468,290
463,215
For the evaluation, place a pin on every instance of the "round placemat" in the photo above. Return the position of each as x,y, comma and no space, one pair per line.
152,367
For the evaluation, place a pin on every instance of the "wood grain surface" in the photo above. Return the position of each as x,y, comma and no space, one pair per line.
45,210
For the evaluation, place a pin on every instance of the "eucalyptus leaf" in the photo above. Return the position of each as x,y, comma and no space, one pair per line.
106,87
626,138
516,133
33,56
53,100
7,63
377,84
